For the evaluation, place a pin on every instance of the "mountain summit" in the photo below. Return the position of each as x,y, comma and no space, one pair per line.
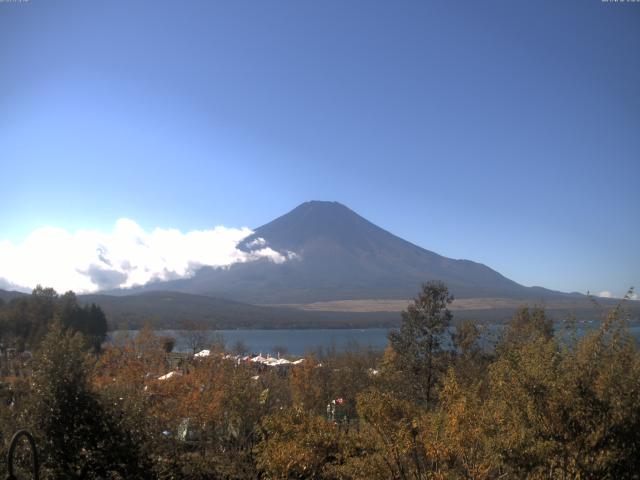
335,254
318,221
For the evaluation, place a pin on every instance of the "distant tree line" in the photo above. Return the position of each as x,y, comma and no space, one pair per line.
24,321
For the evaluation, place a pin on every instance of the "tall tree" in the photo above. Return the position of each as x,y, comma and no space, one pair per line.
197,335
470,361
418,342
79,436
526,325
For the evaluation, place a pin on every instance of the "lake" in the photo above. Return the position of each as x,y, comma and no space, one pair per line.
296,342
300,341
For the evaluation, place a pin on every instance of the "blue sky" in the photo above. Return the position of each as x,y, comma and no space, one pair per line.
503,132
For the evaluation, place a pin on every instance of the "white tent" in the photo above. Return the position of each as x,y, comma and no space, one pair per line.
169,375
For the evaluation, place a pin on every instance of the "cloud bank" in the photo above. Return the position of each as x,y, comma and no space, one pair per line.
608,294
91,260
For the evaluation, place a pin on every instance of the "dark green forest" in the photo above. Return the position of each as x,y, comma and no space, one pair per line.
25,320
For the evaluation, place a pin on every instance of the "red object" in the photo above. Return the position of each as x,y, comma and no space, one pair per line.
340,401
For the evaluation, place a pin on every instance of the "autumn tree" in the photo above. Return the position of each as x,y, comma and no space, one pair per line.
298,444
388,444
349,373
197,335
78,435
469,359
122,375
309,385
168,343
526,325
462,430
563,412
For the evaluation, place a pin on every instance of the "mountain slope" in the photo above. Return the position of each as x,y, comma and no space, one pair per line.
169,309
337,254
8,295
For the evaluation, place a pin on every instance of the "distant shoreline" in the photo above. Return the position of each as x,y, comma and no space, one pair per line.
303,341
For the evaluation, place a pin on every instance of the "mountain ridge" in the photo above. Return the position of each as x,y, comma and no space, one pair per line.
175,310
336,254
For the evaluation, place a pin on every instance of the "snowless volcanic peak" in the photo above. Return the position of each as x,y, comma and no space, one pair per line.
334,253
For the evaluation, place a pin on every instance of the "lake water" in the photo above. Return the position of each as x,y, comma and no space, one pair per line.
300,342
295,342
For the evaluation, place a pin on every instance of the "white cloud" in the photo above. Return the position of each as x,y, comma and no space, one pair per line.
89,260
258,242
7,285
608,294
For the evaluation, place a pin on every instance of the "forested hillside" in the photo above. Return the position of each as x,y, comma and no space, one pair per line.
25,319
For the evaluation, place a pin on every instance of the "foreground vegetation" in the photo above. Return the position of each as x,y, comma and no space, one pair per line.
534,407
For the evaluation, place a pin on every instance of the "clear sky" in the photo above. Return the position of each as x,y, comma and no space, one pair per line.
503,132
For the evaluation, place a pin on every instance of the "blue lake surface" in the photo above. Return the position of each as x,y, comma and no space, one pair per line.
301,341
295,342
